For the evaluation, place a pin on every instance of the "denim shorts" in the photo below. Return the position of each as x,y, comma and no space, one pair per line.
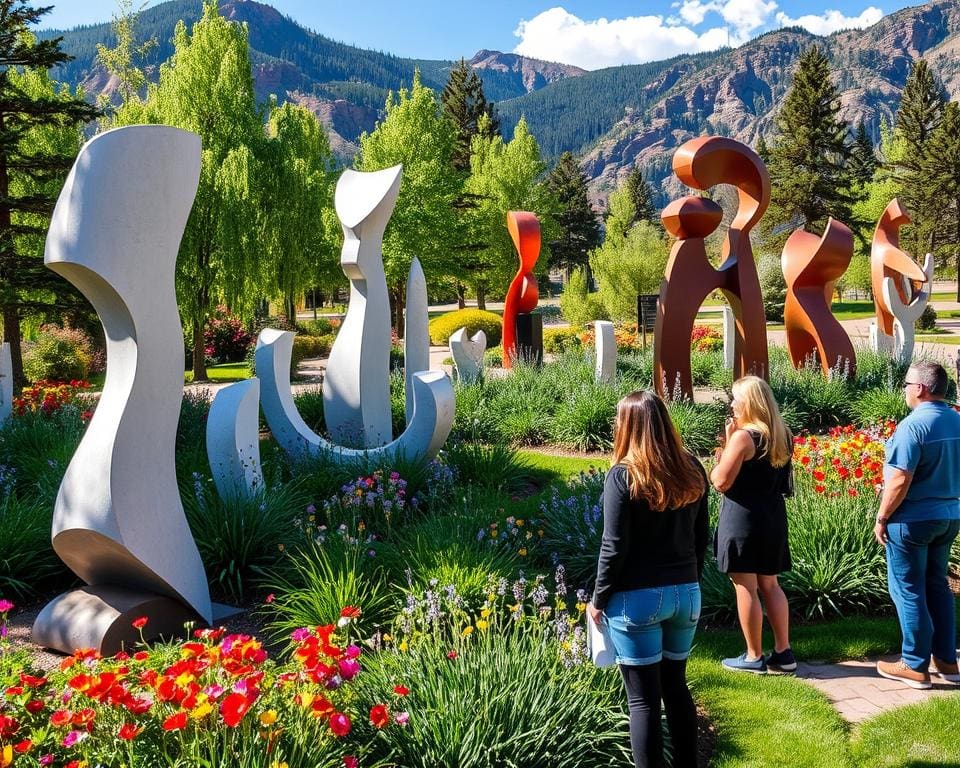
649,624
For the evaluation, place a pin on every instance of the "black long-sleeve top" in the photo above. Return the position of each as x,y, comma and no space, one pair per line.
643,548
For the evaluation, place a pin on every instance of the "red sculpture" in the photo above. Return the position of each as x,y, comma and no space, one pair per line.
522,295
887,260
811,266
702,163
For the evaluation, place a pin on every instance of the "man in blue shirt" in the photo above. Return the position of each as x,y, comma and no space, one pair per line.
918,519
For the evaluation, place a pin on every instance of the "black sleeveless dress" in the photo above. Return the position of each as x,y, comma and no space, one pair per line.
751,535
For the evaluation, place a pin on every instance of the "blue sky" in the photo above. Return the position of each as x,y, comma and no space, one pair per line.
589,33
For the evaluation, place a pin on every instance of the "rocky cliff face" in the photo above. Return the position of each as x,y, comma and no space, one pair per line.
533,74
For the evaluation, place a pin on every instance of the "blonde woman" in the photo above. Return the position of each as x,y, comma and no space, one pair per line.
753,473
655,531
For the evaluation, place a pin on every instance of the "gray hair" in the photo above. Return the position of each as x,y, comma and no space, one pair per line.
932,375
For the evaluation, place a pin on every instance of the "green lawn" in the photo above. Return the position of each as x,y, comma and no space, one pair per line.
918,736
939,338
223,372
551,468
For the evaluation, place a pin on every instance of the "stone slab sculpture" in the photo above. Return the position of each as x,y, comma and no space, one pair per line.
6,381
606,349
118,522
356,385
416,332
729,337
434,407
233,440
811,267
703,163
522,295
467,353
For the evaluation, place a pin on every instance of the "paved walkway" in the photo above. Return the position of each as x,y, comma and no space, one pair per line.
859,693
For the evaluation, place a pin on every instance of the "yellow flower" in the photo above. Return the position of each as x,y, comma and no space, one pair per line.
485,612
523,552
201,711
491,597
467,631
269,717
387,637
581,607
404,646
6,755
520,522
515,608
278,764
482,625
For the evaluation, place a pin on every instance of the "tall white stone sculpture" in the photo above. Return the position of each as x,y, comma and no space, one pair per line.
356,386
729,337
416,332
118,522
606,348
6,381
467,353
233,440
434,407
905,315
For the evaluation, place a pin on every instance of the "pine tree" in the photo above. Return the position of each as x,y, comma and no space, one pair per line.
641,194
939,177
465,104
863,159
808,158
763,151
39,139
579,230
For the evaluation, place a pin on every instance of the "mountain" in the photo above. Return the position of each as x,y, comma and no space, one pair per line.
344,85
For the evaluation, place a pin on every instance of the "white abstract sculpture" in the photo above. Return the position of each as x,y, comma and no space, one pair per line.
434,407
467,353
118,522
233,440
905,315
416,332
729,336
356,386
6,381
606,348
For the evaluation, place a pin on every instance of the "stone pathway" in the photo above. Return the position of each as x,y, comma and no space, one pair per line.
859,693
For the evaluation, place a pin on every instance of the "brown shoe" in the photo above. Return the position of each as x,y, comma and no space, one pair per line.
897,670
949,673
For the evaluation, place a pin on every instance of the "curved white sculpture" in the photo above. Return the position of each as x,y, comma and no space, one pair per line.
118,522
467,353
433,411
416,332
356,386
6,381
729,337
233,440
606,349
905,315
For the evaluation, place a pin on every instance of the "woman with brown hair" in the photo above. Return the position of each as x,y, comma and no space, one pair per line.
655,530
753,473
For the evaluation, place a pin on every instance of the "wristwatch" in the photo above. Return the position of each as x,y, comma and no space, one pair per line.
882,520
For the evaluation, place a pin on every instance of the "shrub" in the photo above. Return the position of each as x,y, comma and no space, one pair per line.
442,327
584,418
309,404
699,425
879,405
493,357
707,369
192,434
927,320
773,287
28,563
485,465
307,347
59,354
706,338
225,340
322,326
577,304
560,339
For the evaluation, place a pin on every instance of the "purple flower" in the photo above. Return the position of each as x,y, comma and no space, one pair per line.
300,634
5,606
349,668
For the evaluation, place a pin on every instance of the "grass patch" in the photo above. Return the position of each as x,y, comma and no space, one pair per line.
223,372
916,736
946,338
549,467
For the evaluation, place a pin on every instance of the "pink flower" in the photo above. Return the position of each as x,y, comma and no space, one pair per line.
5,606
402,718
349,761
299,635
45,760
352,651
348,668
73,738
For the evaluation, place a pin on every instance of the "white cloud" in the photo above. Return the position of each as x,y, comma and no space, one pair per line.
832,21
744,16
556,35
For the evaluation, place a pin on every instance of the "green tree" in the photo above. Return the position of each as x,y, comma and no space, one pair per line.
503,177
641,193
863,158
578,228
940,178
301,232
207,87
808,158
416,133
763,151
465,104
39,140
121,60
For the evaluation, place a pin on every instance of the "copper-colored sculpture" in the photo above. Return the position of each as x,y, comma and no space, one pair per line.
522,295
702,163
811,266
887,260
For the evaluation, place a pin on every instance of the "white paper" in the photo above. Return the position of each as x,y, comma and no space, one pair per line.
598,644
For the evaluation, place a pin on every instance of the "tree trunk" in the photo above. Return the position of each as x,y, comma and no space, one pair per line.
397,299
11,334
481,296
290,307
199,353
461,295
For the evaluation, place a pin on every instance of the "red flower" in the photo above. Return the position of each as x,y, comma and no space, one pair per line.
234,707
339,724
139,623
8,727
32,682
350,612
401,690
22,747
379,716
819,488
819,476
61,718
176,722
129,731
452,655
349,761
33,706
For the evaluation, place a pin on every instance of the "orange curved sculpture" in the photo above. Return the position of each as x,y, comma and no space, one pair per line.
811,266
522,295
702,163
887,260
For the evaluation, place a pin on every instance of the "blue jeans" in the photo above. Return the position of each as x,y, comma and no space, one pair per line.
647,625
918,555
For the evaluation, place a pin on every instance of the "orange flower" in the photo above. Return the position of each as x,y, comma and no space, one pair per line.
129,731
176,722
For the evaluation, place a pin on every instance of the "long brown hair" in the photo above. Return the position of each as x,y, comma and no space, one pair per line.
661,471
760,412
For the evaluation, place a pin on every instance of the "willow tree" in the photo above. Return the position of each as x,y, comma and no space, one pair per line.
300,228
207,87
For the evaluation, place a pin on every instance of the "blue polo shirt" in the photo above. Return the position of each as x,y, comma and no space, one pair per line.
927,443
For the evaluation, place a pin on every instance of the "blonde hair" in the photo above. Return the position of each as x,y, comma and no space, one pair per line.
760,412
661,471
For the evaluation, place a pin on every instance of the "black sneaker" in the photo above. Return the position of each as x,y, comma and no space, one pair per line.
784,661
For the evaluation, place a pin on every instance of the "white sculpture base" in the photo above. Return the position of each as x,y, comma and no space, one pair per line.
729,337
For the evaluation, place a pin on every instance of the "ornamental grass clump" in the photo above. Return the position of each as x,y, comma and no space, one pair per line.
572,521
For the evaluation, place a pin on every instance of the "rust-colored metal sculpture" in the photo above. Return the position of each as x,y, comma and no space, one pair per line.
887,260
811,266
702,163
522,295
